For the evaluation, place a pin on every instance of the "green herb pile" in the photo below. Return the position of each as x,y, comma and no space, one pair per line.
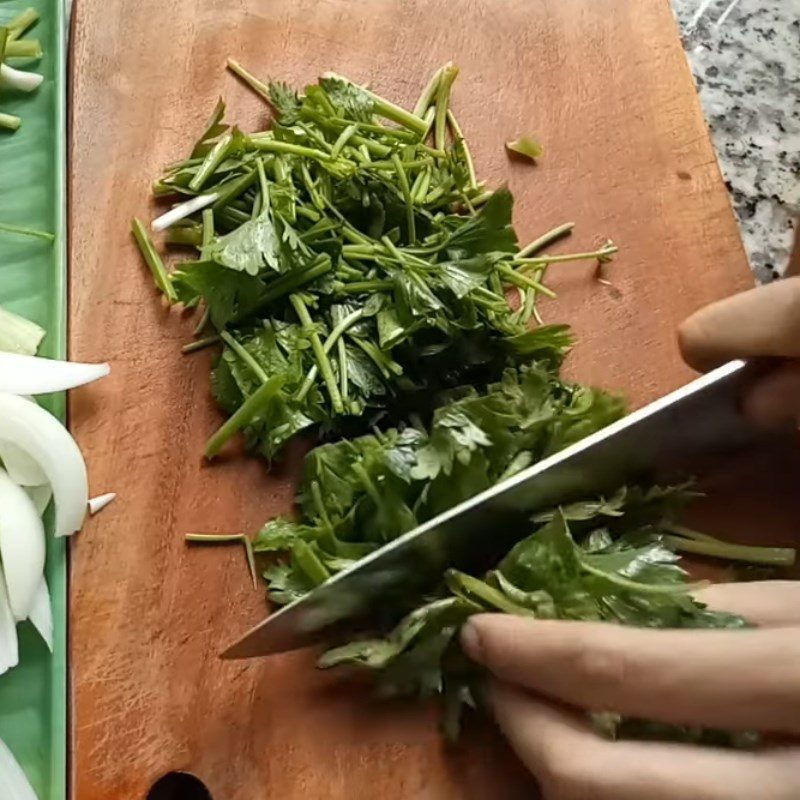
366,288
351,270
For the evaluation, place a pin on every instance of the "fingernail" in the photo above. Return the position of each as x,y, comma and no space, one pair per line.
471,641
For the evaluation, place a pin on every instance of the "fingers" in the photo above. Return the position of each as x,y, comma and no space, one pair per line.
762,322
775,399
572,763
737,680
764,603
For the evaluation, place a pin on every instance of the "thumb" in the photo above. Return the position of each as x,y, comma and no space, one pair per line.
759,323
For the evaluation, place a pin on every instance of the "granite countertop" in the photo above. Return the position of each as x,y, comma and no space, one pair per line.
745,56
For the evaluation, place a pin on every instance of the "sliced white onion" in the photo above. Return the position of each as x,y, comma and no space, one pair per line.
46,440
9,651
18,79
33,375
42,614
13,782
21,468
21,546
41,496
181,211
98,503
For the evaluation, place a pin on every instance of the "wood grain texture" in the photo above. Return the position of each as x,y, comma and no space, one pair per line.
605,87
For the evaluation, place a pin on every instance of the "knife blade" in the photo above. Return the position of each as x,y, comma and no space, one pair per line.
656,442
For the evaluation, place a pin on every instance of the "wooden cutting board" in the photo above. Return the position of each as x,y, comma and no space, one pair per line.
606,88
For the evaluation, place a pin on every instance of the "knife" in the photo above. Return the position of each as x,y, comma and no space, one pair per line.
657,442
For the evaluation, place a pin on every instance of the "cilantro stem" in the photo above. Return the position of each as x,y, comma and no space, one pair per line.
688,533
208,226
308,562
153,260
273,146
213,159
231,189
602,253
342,140
18,229
462,584
357,287
245,355
428,93
244,415
333,337
201,325
224,538
449,72
323,363
254,83
290,282
384,108
458,134
643,588
200,344
545,239
518,279
341,352
767,556
316,497
409,201
480,199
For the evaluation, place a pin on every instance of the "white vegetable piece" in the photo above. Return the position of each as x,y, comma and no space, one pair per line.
21,546
181,211
16,78
44,439
13,782
42,614
21,374
19,335
21,468
41,496
98,503
9,649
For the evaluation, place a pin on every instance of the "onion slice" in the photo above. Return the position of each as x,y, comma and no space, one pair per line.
21,468
41,496
42,614
97,504
21,546
19,335
9,650
43,438
12,779
20,374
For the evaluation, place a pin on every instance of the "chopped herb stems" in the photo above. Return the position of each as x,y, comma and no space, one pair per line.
153,261
323,363
546,239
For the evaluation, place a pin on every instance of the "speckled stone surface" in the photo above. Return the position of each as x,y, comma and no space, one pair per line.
745,56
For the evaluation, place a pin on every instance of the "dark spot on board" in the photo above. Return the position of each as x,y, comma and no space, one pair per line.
179,786
683,175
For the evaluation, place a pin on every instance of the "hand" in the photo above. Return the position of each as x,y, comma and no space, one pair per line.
546,673
763,322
